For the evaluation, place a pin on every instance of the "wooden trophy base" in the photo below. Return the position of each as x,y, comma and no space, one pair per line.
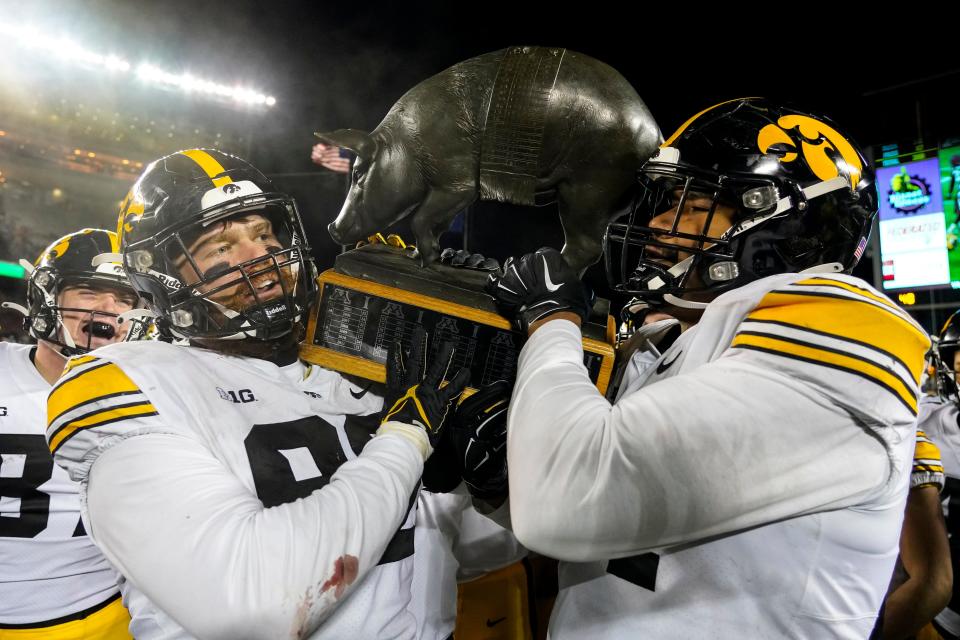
376,294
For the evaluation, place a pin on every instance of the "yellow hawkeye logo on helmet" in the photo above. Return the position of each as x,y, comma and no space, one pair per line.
62,246
56,251
817,141
131,210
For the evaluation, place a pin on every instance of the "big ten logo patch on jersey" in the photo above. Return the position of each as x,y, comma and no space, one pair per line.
239,397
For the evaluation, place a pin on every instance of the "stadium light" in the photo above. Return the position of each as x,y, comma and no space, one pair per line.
189,83
69,51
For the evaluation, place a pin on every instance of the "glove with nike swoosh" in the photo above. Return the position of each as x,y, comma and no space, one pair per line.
415,398
536,285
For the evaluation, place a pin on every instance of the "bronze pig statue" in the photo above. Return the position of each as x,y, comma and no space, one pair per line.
505,126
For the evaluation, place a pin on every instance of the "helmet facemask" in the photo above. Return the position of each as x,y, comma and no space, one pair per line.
942,357
46,316
680,237
797,195
263,298
664,263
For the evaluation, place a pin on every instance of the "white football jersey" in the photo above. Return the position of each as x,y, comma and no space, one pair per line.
454,544
49,567
939,421
241,498
750,482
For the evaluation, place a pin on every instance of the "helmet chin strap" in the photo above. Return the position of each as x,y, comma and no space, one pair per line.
813,191
676,271
51,302
56,348
134,316
683,304
246,330
230,314
829,267
16,307
67,338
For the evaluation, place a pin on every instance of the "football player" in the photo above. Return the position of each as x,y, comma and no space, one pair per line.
243,493
55,583
939,421
923,578
750,482
463,545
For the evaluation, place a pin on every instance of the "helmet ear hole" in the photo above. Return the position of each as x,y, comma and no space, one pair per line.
796,245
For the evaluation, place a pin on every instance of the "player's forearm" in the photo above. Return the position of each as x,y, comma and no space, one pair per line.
555,410
925,553
911,606
663,463
204,549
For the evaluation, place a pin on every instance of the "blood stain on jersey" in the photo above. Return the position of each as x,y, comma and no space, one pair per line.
344,573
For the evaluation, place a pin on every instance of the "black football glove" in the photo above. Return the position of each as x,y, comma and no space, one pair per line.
443,470
416,398
536,285
467,260
479,433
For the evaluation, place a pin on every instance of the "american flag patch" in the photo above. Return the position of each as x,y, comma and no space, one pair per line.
860,248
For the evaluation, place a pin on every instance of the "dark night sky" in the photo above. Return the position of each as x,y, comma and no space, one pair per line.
343,64
336,64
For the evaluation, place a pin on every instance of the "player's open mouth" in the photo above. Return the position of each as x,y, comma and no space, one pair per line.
100,330
667,257
266,289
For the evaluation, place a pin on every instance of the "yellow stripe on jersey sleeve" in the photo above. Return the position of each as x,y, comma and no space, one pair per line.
100,418
926,454
927,466
97,382
849,319
815,355
860,291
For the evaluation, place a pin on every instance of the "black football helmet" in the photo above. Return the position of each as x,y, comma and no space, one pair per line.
174,202
87,258
945,348
802,195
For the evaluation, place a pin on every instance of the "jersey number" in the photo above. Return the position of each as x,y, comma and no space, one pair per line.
25,464
270,449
